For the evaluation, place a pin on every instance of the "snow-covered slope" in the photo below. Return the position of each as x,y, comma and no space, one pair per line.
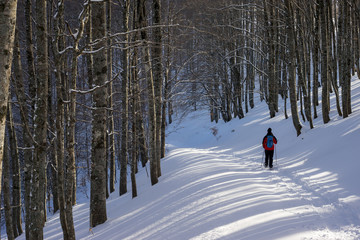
213,185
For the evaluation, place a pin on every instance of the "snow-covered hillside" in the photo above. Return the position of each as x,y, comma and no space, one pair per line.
214,187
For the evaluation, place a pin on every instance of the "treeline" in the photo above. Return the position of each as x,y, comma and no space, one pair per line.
281,50
88,87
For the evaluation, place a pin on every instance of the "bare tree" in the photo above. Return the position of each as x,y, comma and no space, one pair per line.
325,60
292,72
124,101
37,210
7,33
6,181
98,152
141,23
17,78
158,78
111,133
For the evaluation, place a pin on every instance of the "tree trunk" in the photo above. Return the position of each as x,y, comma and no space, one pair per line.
292,71
6,191
346,60
302,64
68,232
18,78
7,32
70,183
28,153
125,103
139,116
16,181
315,59
40,122
98,149
271,42
324,60
141,21
70,176
111,134
158,78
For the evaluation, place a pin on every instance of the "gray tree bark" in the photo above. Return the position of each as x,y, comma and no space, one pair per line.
40,122
292,61
323,8
16,181
6,192
111,134
158,78
141,21
18,78
125,103
98,146
7,33
28,154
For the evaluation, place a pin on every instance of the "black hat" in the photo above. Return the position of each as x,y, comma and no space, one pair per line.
269,130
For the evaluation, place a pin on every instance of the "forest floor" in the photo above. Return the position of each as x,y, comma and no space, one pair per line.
213,185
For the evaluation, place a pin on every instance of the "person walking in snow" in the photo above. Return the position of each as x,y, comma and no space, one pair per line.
268,143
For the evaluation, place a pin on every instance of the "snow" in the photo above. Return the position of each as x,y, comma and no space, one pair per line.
214,186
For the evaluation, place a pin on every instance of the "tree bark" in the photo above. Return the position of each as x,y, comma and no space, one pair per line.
18,78
292,72
315,59
141,21
98,147
40,121
16,181
111,134
7,33
125,103
323,5
7,194
158,78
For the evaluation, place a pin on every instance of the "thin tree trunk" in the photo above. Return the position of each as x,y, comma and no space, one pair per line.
324,60
111,135
98,149
28,154
40,122
315,59
292,72
346,60
139,116
7,33
70,176
60,120
134,148
125,103
6,192
18,78
16,181
271,39
158,78
141,10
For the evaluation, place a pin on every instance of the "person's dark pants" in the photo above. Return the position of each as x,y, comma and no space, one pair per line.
269,154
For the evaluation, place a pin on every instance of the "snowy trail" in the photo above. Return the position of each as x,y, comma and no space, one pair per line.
213,185
215,194
256,203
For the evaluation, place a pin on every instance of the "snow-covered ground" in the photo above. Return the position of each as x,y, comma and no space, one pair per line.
214,187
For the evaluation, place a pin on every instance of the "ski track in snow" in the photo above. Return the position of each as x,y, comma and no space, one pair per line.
312,209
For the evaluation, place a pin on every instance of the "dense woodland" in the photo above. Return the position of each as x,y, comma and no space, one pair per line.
88,87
